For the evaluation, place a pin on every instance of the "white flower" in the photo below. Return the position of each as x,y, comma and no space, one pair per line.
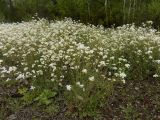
97,70
116,74
33,71
20,76
150,57
139,52
114,68
122,75
112,58
40,72
149,52
81,46
50,52
127,65
91,78
155,75
26,68
123,81
8,79
105,56
68,87
120,59
149,22
84,71
1,61
32,88
157,61
101,63
13,68
52,79
80,85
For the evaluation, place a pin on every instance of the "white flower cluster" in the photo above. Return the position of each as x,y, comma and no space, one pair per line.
56,50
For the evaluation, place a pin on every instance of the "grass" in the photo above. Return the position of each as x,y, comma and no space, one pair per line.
68,70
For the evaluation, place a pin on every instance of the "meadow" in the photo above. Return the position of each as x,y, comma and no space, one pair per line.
67,70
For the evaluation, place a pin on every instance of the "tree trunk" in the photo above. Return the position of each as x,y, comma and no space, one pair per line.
134,8
124,10
11,11
89,10
129,10
106,8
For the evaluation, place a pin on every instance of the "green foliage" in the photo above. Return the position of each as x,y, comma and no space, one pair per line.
31,7
41,97
51,109
44,97
2,10
88,102
105,12
130,112
75,69
154,11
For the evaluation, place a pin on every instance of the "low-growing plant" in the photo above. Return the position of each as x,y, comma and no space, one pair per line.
130,112
75,63
88,101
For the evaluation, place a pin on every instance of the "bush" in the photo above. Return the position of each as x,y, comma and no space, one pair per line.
76,63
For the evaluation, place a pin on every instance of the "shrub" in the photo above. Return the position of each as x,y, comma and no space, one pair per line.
74,62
